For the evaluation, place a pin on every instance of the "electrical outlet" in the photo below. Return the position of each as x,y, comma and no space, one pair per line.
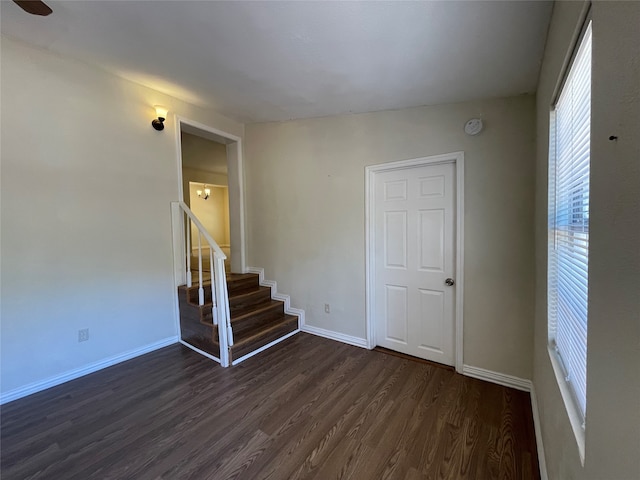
83,335
327,308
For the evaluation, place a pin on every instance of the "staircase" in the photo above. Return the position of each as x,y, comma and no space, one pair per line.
256,319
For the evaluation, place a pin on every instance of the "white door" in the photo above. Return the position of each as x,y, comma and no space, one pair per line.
414,241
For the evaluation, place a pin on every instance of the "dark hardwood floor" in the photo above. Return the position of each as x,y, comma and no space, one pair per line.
306,408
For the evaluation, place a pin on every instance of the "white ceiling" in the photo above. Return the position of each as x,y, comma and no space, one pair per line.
268,60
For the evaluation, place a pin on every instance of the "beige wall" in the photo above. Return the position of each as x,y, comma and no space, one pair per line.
86,223
203,154
213,212
306,215
613,358
200,176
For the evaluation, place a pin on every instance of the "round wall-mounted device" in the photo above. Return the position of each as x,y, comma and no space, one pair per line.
473,126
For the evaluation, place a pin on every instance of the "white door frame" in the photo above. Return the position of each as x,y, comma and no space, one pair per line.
235,181
457,158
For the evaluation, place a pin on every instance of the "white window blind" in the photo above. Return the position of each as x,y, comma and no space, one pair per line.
569,158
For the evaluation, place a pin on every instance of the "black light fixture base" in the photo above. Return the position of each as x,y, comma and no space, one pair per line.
158,124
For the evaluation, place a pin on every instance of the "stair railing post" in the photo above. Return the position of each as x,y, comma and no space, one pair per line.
200,287
226,306
222,312
214,303
188,250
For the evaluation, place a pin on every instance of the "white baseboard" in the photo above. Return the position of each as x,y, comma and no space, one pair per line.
519,384
201,352
496,377
340,337
288,309
82,371
538,429
264,347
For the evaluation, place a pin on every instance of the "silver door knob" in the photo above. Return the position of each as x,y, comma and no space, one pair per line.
449,282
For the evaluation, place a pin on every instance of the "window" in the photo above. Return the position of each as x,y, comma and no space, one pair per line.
568,279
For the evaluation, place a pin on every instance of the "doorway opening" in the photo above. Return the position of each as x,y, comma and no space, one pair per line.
206,188
210,204
211,184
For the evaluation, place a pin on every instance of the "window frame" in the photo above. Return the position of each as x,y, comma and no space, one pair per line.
570,399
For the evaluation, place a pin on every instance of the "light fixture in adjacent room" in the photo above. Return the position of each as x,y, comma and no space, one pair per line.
204,194
161,112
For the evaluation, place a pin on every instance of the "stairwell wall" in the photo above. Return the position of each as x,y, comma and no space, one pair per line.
85,211
306,215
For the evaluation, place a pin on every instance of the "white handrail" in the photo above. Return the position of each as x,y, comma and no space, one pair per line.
219,293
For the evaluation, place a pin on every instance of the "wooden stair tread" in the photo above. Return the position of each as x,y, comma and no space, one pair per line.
263,307
236,283
240,276
262,295
252,292
256,333
231,278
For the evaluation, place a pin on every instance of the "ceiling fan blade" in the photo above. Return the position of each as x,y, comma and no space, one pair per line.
34,7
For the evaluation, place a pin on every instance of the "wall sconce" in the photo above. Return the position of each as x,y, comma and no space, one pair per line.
158,123
207,192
